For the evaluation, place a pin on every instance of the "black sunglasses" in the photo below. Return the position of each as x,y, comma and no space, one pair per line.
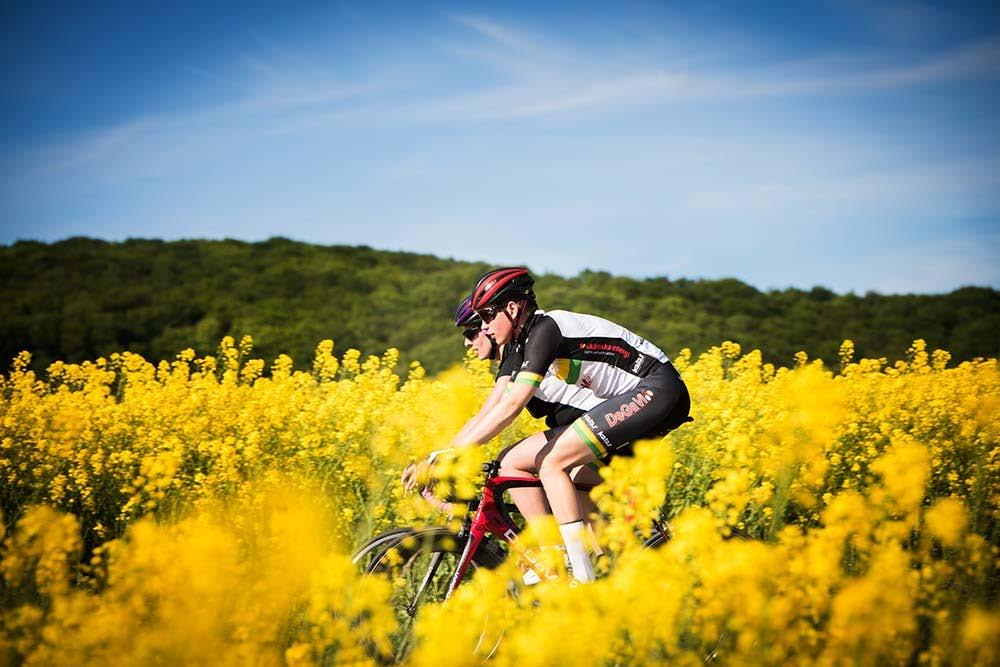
471,333
488,313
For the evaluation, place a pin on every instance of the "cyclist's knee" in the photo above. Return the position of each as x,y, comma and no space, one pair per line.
511,463
553,465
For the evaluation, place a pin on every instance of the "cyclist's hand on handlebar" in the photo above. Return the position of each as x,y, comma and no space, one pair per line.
420,473
409,477
416,474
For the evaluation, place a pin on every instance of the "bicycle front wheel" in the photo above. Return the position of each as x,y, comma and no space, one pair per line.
374,547
419,565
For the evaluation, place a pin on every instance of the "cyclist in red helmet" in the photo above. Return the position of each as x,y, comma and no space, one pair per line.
600,386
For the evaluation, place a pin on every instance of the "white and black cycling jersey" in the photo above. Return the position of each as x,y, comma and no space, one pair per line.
554,400
568,352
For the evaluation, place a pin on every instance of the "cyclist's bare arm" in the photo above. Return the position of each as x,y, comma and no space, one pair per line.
413,471
481,429
495,395
499,417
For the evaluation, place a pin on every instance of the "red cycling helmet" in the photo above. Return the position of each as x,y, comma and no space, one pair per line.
511,283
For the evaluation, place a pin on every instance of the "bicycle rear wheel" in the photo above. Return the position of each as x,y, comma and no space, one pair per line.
419,565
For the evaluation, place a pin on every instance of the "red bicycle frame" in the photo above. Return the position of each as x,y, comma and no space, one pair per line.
488,515
491,518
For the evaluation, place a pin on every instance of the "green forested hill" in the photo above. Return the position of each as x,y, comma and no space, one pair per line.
83,298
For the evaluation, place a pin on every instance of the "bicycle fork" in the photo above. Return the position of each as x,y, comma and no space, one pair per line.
471,544
428,576
475,535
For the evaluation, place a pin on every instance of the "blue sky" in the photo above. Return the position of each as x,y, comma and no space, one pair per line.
842,143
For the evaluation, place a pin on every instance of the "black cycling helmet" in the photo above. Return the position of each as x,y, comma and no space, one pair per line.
511,283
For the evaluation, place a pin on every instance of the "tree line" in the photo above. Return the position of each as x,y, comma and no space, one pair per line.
83,298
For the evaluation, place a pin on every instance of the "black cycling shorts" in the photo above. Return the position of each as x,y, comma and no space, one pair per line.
657,405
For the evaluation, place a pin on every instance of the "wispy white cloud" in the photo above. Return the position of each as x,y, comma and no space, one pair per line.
702,188
92,147
269,105
545,80
259,66
289,93
497,32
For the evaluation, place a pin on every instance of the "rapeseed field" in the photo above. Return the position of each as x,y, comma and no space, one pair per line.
204,511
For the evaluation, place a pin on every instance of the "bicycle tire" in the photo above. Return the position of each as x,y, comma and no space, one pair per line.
404,557
363,556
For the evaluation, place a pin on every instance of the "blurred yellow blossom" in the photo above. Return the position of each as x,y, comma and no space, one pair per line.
201,509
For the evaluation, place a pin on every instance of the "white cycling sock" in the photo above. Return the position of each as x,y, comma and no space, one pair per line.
576,549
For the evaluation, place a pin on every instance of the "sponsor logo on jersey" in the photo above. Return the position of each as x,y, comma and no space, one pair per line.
640,401
586,381
606,347
638,363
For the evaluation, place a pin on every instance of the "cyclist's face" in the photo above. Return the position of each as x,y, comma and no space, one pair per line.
499,322
478,341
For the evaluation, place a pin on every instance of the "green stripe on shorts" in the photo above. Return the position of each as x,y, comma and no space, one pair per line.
589,438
